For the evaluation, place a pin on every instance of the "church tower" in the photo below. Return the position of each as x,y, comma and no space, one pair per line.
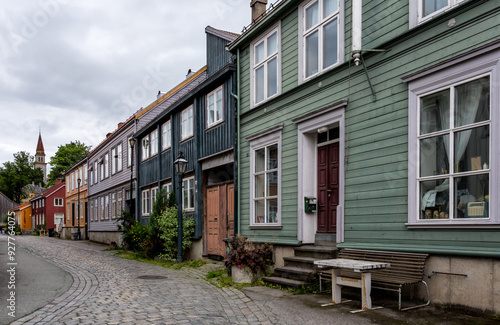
40,157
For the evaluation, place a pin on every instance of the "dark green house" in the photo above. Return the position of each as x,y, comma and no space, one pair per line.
381,134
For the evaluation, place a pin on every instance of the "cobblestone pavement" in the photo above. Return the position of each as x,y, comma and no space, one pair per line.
107,290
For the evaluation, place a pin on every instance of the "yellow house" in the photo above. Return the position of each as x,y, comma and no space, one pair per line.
23,216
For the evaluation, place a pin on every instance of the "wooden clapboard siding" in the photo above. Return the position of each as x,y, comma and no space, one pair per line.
376,133
115,182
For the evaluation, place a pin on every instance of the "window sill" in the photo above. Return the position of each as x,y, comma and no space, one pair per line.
454,224
187,138
213,125
267,227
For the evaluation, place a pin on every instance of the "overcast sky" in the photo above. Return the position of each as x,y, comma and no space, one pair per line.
76,68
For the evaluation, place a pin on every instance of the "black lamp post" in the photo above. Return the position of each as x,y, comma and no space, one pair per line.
180,165
132,144
78,209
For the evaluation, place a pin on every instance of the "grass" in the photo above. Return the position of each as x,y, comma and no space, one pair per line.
160,262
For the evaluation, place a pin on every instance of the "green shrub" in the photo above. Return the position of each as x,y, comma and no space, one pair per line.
167,229
138,236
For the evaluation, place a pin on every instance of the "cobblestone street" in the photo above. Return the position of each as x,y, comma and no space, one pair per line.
107,290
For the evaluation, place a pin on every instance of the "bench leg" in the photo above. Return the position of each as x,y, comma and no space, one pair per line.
366,288
336,289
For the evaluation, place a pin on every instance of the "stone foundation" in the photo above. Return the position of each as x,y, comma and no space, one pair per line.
464,281
106,237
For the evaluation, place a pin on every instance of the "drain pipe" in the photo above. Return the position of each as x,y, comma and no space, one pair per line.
238,140
357,18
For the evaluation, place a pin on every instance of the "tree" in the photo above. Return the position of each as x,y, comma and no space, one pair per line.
65,157
15,175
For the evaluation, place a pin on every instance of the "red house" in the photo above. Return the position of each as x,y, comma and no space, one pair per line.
48,208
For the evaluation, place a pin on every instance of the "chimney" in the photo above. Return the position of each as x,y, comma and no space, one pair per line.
258,8
190,73
58,181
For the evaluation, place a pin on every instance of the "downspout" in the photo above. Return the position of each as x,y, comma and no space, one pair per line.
238,147
357,18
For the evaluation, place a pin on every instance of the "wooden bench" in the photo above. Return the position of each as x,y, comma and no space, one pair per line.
406,269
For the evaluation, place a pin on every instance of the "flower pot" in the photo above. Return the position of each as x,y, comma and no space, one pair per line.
242,275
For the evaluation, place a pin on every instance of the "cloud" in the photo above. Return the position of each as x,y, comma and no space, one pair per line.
77,68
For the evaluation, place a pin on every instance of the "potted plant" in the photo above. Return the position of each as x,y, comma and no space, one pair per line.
247,260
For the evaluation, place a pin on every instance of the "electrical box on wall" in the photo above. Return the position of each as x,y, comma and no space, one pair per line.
309,204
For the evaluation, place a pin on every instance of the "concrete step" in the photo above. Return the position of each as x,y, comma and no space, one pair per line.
318,252
301,262
294,273
285,282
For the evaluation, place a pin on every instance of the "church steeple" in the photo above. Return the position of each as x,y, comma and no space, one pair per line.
40,157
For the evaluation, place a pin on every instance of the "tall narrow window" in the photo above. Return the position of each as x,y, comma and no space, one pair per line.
166,135
95,172
320,25
187,123
119,203
154,142
188,193
214,107
113,159
145,147
106,165
119,157
265,182
266,66
154,192
145,203
113,205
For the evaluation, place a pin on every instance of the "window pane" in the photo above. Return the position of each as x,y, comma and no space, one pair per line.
272,184
272,77
435,112
272,43
259,185
312,54
219,106
211,109
330,44
434,199
259,211
434,156
329,7
272,210
272,157
260,160
472,149
472,196
431,6
259,53
191,193
312,15
259,84
472,102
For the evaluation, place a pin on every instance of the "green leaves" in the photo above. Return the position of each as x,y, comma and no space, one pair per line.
15,175
66,156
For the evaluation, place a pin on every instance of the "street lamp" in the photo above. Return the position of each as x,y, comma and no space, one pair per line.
79,181
180,165
132,144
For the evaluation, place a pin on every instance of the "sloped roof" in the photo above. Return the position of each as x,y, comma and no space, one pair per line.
230,36
39,146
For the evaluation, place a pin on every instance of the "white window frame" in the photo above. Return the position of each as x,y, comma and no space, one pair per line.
167,187
166,133
96,177
85,174
102,211
145,145
113,205
129,152
106,207
303,34
73,181
417,8
258,142
457,71
253,67
58,202
154,192
145,202
119,204
153,138
106,165
96,209
188,206
67,182
113,165
215,107
187,123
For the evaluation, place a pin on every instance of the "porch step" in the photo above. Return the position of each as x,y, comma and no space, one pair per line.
294,273
318,252
285,282
301,262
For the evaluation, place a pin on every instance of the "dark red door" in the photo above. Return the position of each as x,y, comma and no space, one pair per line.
328,187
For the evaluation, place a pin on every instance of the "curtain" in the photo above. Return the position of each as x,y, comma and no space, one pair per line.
467,101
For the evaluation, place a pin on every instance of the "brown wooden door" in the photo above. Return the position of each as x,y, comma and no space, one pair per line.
328,188
220,217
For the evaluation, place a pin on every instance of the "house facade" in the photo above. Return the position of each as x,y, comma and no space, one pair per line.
76,201
110,176
47,209
387,149
23,215
197,119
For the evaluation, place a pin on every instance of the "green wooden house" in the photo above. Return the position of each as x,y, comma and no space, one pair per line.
375,129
